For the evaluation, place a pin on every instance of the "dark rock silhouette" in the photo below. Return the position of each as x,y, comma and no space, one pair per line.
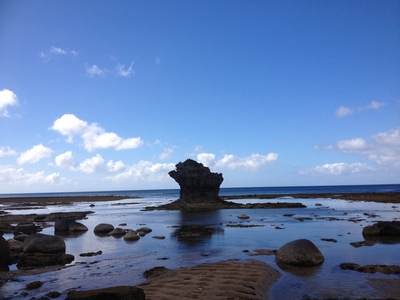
198,184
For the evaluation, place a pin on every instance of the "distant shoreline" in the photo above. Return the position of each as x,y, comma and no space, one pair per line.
386,197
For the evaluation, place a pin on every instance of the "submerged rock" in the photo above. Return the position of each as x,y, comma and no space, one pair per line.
300,252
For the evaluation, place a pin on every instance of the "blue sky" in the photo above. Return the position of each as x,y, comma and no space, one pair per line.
96,95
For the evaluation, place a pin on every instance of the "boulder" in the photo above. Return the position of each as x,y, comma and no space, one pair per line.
371,231
15,246
44,243
63,224
145,230
70,225
197,183
40,260
103,228
389,228
111,293
20,237
131,235
300,252
77,227
27,228
118,232
4,255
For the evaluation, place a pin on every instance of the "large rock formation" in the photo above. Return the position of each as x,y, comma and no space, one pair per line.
198,184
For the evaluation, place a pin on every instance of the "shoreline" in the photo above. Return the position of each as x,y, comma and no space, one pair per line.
387,197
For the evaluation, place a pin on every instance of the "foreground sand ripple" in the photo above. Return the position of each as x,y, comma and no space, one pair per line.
231,279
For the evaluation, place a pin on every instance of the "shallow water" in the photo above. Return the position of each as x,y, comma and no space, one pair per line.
123,263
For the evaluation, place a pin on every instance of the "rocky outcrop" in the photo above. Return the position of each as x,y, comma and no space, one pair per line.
117,292
385,269
383,229
197,183
300,252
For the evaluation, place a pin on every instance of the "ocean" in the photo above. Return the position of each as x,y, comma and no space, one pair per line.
287,190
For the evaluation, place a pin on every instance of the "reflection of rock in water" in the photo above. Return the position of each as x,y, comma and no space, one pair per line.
192,235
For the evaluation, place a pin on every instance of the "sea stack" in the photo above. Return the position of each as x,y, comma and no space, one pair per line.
197,183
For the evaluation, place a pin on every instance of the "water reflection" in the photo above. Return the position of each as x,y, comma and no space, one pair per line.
196,228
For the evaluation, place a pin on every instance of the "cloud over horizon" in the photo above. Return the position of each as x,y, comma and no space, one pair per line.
250,163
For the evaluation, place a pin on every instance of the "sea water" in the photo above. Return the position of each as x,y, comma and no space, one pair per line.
123,263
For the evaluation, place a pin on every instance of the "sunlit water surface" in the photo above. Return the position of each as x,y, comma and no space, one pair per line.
123,263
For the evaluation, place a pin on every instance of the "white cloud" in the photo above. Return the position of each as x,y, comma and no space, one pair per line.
144,171
35,154
167,153
93,136
383,149
116,167
7,151
250,163
125,72
65,161
92,165
95,70
343,111
7,99
337,169
18,177
70,126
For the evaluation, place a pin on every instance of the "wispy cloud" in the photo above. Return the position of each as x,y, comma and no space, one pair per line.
124,72
35,154
344,111
250,163
95,71
7,99
56,51
93,136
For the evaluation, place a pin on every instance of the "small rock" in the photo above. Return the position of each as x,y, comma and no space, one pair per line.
243,216
159,237
131,235
34,285
20,237
155,272
88,254
53,294
329,240
118,232
77,227
146,230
